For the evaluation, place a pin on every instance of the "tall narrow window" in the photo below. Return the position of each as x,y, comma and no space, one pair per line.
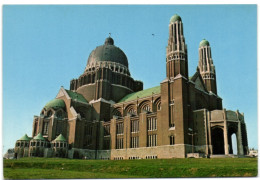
152,124
135,126
135,142
152,140
119,143
172,140
45,128
35,128
119,128
58,128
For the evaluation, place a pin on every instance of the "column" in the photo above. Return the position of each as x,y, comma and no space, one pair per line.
225,131
239,140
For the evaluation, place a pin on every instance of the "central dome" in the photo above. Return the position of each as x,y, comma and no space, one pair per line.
107,52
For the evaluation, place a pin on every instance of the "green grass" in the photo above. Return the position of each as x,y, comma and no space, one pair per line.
38,168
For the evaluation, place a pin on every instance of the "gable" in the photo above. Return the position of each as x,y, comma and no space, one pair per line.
198,81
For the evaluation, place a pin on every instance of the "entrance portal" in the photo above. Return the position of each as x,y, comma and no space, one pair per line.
217,141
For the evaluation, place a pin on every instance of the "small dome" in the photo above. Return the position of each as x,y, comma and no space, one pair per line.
174,18
109,41
25,138
39,137
108,52
204,42
55,104
60,138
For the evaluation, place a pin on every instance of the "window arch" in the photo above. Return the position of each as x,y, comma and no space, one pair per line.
117,112
130,109
157,103
145,106
49,113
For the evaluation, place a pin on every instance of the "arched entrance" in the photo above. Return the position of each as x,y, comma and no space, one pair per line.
234,143
217,138
232,138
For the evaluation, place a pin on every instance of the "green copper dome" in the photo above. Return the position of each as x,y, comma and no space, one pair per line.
55,104
174,18
39,137
25,138
204,42
60,138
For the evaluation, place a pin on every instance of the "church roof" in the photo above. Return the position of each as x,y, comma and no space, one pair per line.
60,138
108,52
25,138
39,137
141,94
55,104
76,96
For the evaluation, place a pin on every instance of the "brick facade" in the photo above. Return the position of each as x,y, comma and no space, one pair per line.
106,114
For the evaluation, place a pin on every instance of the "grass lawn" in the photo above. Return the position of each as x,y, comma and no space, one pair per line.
38,168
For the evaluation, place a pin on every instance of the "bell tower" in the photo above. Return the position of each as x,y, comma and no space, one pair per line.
206,66
174,89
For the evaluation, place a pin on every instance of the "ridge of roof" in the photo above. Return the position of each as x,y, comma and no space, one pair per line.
141,94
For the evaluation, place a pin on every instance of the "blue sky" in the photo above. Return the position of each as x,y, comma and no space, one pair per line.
44,47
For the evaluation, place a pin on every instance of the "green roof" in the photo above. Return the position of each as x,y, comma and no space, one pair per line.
174,18
55,104
76,96
60,138
204,42
25,138
39,137
141,94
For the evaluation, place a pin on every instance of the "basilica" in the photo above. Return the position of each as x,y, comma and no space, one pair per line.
106,114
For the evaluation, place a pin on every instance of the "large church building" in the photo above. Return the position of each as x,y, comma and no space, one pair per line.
106,114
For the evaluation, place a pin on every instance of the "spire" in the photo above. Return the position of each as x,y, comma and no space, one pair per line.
206,66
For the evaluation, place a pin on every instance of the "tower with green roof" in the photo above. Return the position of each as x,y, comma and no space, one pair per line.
206,66
174,89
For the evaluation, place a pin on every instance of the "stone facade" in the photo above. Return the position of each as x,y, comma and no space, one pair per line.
106,114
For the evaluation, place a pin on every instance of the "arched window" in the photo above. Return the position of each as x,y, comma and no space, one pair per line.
132,111
45,128
159,106
116,112
49,114
146,108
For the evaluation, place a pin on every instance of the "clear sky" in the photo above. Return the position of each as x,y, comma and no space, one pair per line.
44,47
